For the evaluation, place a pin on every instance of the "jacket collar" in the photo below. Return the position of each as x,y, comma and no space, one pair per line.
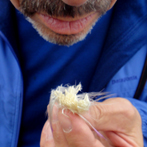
126,35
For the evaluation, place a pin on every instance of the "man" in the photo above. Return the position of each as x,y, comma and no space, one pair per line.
111,57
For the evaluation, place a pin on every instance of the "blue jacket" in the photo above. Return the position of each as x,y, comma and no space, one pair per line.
118,70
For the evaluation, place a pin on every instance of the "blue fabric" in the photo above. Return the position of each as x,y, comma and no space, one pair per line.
125,37
45,66
10,94
127,78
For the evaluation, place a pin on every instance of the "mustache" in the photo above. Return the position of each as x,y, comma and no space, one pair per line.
59,8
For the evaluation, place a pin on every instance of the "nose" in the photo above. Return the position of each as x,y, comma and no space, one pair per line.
74,2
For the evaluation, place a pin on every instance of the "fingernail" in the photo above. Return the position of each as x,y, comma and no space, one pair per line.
47,131
55,114
65,121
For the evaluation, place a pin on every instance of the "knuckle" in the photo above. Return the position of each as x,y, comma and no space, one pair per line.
127,109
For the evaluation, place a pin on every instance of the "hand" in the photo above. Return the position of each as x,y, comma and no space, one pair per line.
116,118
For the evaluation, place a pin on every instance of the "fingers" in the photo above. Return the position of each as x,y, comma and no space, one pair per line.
69,130
54,137
76,131
116,117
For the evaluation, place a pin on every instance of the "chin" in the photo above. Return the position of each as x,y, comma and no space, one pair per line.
60,39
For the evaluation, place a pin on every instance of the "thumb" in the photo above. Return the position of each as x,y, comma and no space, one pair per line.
115,114
119,119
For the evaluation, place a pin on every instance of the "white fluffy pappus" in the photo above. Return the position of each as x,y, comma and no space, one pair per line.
67,97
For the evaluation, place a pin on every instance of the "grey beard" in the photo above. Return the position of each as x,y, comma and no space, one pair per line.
66,40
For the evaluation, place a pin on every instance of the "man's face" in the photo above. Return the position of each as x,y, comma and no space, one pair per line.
60,23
